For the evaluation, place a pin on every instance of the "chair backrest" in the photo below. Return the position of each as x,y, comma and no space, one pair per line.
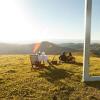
33,58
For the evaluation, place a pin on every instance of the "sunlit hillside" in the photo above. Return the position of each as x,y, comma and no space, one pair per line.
59,82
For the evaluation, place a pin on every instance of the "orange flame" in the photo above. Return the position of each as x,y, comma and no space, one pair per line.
36,47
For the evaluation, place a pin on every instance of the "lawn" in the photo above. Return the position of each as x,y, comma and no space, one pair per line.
59,82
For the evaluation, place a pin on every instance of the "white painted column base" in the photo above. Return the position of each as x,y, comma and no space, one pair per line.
91,78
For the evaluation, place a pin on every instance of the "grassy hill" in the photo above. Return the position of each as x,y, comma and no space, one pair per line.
19,82
15,48
52,48
48,47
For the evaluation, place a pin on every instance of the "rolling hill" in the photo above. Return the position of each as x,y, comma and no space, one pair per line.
51,48
48,47
15,48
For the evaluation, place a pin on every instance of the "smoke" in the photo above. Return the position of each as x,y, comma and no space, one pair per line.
36,47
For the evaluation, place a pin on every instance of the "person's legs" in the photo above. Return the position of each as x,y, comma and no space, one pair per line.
37,64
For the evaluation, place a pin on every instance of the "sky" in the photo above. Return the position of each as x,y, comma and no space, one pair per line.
23,21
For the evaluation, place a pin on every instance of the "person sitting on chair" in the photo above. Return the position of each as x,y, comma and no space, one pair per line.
43,58
70,58
63,57
34,60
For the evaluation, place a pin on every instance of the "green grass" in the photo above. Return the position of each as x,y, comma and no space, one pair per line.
19,82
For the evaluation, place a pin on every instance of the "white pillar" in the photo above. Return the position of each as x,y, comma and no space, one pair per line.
87,26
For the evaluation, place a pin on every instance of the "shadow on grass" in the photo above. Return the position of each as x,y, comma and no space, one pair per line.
94,84
53,74
11,71
78,63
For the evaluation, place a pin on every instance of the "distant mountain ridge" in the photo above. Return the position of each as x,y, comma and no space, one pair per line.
48,47
15,48
51,48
